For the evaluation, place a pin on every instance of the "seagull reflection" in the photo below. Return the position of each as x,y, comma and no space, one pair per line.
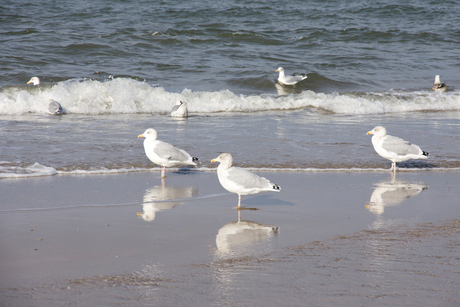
241,235
155,199
392,193
284,91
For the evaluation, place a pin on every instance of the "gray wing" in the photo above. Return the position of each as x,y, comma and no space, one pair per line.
294,78
170,152
247,179
400,146
175,108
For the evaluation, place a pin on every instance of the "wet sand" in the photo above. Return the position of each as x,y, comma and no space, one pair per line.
327,239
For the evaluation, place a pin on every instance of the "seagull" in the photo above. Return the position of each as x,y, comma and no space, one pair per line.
394,148
241,181
54,107
34,80
179,109
438,86
289,80
164,154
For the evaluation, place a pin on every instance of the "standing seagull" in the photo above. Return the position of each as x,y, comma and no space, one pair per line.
164,154
289,80
179,109
438,85
394,148
241,181
54,107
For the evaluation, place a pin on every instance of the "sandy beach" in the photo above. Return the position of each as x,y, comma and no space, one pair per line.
355,238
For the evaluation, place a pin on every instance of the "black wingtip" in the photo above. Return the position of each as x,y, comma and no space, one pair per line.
194,159
276,187
425,154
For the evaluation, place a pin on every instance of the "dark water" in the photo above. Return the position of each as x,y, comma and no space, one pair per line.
236,45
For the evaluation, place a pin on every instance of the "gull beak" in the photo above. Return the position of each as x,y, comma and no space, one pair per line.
369,132
29,82
140,135
213,160
276,70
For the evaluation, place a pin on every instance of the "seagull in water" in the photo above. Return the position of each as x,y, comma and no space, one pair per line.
289,80
54,107
241,181
394,148
179,109
438,85
164,154
34,81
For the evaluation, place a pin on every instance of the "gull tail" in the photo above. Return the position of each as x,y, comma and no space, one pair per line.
425,153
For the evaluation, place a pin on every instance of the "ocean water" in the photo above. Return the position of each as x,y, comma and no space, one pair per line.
118,67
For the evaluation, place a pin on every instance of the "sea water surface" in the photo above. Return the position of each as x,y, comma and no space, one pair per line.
118,67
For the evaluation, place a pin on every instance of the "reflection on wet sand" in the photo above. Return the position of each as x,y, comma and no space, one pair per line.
391,193
239,236
155,199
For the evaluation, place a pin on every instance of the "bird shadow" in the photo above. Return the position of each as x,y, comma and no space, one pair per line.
415,164
185,170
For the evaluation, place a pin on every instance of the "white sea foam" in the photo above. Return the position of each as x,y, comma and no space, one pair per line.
124,95
10,170
38,170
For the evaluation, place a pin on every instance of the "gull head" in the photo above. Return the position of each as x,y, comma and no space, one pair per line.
149,134
437,79
225,159
279,69
34,80
378,131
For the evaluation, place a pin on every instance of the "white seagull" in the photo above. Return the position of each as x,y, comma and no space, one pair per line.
289,80
438,85
164,154
179,109
241,181
394,148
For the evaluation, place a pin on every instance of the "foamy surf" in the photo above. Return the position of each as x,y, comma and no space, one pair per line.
10,170
128,96
38,170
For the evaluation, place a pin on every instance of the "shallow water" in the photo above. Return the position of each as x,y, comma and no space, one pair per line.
296,140
326,238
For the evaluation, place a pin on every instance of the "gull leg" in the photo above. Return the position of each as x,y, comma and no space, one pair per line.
239,201
163,170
